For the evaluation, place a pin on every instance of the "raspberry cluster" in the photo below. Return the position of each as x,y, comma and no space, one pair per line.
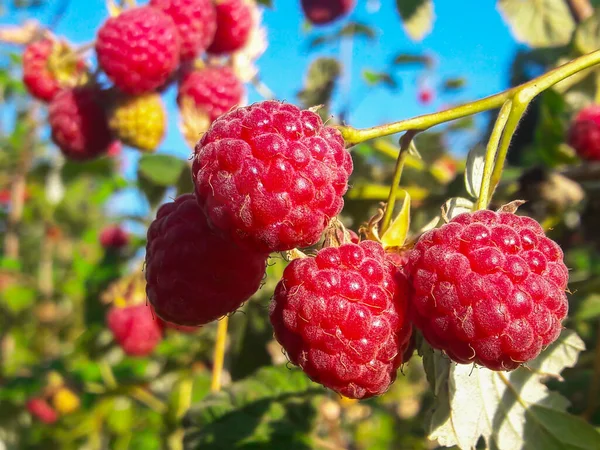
584,133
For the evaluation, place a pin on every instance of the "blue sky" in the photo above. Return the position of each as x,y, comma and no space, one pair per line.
472,42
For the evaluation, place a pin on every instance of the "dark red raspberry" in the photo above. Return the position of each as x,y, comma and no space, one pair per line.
489,288
139,49
213,90
196,21
38,79
321,12
342,318
113,237
584,134
234,24
194,276
135,328
271,176
79,125
41,410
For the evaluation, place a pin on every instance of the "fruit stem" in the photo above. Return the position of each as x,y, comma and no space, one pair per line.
522,94
405,143
144,396
219,356
490,154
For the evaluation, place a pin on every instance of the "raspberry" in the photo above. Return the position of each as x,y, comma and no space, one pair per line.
425,96
234,24
65,401
139,122
193,275
135,328
213,90
489,288
271,176
196,22
38,79
342,317
113,237
78,122
321,12
139,49
584,134
41,410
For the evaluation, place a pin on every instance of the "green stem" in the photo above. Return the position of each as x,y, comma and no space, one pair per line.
522,94
514,117
405,143
490,154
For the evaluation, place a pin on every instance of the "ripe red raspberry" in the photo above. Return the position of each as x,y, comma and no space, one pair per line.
135,328
38,79
321,12
213,90
139,49
194,276
271,176
342,317
113,237
584,134
41,410
79,125
425,96
489,288
234,24
196,22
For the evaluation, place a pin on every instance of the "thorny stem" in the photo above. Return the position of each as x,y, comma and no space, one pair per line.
490,154
519,94
405,143
520,97
219,356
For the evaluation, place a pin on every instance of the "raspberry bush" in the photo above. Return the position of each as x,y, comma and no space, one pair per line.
202,248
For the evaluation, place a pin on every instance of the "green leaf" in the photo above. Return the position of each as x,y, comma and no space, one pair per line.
267,3
508,409
540,23
474,170
589,308
406,59
587,34
373,78
17,298
356,29
161,170
417,17
457,205
321,78
454,84
271,410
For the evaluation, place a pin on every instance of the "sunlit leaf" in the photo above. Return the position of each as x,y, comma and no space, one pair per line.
474,170
396,234
417,17
541,23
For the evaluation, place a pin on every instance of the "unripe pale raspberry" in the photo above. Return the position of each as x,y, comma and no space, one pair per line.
489,288
113,237
65,401
138,49
584,133
139,121
135,328
321,12
196,22
193,275
78,123
342,317
41,410
271,176
234,24
213,90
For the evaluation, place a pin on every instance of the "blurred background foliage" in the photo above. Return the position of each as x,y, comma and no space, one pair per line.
53,269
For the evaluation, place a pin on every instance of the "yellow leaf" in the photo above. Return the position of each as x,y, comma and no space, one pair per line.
395,235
